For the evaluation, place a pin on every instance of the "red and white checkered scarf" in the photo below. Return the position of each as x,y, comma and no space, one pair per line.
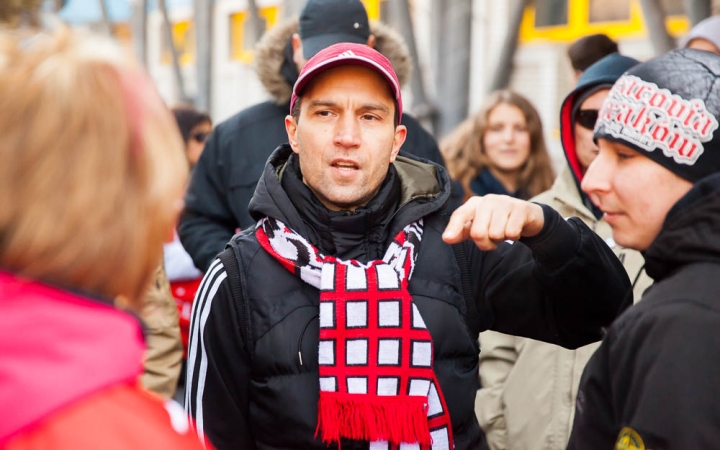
375,356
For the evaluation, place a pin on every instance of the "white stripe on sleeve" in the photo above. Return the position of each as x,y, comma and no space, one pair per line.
200,297
203,357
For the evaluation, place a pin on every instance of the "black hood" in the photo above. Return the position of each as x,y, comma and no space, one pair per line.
691,232
423,189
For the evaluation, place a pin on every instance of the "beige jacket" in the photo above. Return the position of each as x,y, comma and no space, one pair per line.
529,388
163,357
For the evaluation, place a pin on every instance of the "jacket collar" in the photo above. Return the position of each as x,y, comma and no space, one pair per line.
412,190
342,233
486,183
690,233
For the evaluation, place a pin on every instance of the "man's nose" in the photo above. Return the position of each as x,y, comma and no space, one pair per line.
347,131
597,177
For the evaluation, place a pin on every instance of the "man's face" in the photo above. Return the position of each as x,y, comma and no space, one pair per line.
585,147
345,136
634,192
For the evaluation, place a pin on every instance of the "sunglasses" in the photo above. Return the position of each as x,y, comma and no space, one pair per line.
586,118
200,136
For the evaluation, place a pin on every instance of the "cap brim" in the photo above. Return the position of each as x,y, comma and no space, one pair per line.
312,45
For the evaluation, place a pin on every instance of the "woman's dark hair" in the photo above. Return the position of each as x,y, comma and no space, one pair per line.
188,118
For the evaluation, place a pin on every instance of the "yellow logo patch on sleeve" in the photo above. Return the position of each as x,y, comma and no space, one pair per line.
629,439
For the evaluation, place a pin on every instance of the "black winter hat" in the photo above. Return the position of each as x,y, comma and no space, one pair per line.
327,22
668,110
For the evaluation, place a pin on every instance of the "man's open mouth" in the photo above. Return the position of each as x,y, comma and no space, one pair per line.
345,166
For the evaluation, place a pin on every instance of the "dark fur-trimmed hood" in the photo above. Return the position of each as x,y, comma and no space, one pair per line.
270,56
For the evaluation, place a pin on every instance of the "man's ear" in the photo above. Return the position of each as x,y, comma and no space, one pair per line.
398,141
371,41
296,42
291,129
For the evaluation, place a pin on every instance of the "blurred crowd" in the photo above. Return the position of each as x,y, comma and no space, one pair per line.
317,271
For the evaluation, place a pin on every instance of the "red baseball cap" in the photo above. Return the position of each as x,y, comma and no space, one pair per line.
346,54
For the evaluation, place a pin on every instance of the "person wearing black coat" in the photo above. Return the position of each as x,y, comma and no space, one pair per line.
652,382
224,180
329,204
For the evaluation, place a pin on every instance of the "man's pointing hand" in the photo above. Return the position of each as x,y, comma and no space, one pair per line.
491,219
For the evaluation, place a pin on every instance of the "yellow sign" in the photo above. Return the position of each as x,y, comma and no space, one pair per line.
183,39
579,24
373,8
239,49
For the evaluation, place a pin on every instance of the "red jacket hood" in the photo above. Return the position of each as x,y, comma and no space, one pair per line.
567,136
58,347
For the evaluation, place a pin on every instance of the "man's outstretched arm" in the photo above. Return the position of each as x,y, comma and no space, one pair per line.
560,283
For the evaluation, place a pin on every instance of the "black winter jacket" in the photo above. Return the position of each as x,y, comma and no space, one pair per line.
224,179
653,382
267,398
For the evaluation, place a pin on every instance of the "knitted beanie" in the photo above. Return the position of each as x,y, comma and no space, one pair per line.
667,109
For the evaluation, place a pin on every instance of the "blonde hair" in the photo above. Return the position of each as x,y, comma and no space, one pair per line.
464,151
92,167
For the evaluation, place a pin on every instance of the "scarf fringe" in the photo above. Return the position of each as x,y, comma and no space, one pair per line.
373,418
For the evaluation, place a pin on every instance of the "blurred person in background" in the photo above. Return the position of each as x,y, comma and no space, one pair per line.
163,356
195,127
500,150
588,50
90,186
527,401
652,384
224,180
704,36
